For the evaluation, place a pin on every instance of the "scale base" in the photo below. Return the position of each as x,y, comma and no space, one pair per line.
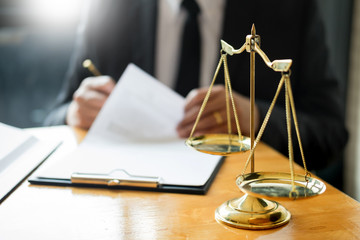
254,213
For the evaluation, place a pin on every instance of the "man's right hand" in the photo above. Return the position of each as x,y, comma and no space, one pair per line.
87,101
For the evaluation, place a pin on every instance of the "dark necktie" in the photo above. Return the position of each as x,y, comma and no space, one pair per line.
189,67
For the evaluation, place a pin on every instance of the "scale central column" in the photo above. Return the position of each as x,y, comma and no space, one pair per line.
250,48
250,212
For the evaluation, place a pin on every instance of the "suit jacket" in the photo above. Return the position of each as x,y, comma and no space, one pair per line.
116,33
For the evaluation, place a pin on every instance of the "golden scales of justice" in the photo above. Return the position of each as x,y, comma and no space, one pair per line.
257,208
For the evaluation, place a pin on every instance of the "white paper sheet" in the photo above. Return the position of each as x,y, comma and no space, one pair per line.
20,154
136,131
140,108
13,142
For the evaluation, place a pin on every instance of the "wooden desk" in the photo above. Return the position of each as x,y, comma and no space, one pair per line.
44,212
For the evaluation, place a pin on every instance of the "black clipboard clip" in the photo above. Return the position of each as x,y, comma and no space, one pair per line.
118,177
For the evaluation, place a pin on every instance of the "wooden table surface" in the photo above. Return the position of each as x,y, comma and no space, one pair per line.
46,212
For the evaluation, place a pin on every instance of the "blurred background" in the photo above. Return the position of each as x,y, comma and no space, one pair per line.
37,39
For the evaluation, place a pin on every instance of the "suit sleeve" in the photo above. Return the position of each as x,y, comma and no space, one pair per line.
75,73
318,101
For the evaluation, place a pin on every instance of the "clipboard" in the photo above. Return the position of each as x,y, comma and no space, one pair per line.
133,144
129,182
165,166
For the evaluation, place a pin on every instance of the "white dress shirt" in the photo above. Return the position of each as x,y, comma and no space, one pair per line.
169,34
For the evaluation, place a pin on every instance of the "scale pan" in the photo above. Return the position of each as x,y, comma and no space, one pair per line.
278,186
219,144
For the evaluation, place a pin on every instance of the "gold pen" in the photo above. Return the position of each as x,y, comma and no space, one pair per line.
91,67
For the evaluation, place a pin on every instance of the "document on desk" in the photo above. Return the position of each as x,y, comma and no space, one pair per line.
133,142
20,154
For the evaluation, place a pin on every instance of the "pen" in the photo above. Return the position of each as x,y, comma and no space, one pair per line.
91,67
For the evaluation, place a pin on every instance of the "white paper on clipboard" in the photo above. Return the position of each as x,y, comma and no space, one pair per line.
136,131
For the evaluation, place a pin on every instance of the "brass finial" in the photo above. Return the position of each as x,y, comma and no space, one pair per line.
253,31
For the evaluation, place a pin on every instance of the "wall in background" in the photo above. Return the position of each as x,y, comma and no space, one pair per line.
36,41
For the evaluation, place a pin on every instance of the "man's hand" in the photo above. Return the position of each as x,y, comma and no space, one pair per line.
214,119
88,100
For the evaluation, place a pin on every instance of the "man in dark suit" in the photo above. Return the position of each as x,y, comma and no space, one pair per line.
116,33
